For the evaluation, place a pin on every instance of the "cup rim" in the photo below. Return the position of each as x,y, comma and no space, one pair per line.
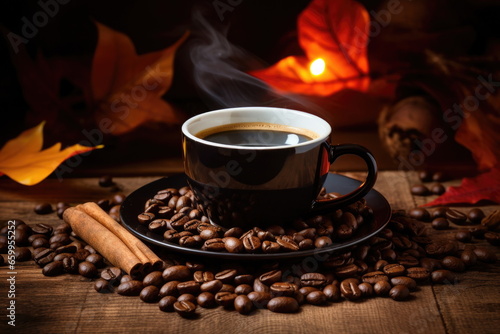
325,133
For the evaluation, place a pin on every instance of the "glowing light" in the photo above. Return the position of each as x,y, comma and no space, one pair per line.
317,67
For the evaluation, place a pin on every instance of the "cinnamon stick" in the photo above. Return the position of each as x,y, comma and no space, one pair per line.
143,252
104,241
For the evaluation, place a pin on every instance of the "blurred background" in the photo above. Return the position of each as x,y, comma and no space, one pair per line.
110,72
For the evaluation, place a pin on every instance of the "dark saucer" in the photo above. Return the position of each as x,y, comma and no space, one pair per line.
134,205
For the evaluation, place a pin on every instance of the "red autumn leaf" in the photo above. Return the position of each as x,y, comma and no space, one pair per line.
128,87
485,186
335,31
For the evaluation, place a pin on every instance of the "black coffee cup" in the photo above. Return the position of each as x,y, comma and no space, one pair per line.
256,166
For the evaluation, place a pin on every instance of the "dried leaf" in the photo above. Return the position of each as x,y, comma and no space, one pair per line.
335,31
128,87
485,186
24,161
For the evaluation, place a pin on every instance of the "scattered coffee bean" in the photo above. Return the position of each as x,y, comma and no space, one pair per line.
206,300
453,263
106,181
443,276
469,257
382,288
463,236
102,286
53,268
456,217
153,278
475,215
420,214
394,269
176,273
419,274
419,190
184,308
43,208
22,254
349,288
166,304
149,294
485,255
437,189
440,224
439,212
70,265
283,305
130,288
425,176
243,304
493,238
87,269
399,293
410,283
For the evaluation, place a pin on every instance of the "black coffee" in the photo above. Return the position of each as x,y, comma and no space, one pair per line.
257,134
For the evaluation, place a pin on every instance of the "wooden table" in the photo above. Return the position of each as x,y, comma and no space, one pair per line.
68,303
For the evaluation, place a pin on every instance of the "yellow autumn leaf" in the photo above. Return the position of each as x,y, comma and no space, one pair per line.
23,160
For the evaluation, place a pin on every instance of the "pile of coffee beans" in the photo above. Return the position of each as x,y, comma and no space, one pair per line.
174,214
435,188
391,264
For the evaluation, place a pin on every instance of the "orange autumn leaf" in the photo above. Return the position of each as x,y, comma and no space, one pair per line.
23,160
334,31
128,87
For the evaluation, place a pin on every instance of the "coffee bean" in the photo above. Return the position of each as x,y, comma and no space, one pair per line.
317,280
478,231
394,269
43,208
252,243
344,231
96,259
22,254
190,287
70,265
399,293
243,279
441,248
227,288
453,263
233,244
42,229
323,242
493,238
234,232
211,286
419,190
271,277
214,245
184,308
316,298
475,215
243,304
112,274
437,189
125,278
226,276
53,268
456,217
271,247
44,257
166,304
206,300
283,305
419,274
287,243
305,290
439,212
106,181
347,270
169,289
366,289
87,269
440,224
425,175
374,276
420,214
382,288
153,278
201,276
149,294
463,236
102,286
443,276
22,234
485,255
469,257
176,273
225,299
349,288
283,289
410,283
187,297
243,289
130,288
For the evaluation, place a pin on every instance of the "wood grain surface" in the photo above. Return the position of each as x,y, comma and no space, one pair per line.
69,304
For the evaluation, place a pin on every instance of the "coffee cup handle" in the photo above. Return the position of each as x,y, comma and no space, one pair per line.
335,151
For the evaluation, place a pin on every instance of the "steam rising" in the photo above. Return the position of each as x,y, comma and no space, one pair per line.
221,79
